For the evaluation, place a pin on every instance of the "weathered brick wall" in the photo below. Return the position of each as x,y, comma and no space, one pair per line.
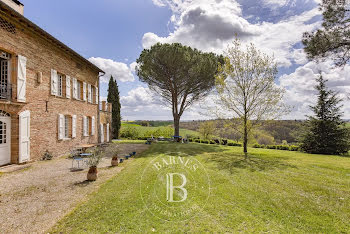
42,56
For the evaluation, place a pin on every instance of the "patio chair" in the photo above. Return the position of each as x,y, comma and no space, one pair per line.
75,155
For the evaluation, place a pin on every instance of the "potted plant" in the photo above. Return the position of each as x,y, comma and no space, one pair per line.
93,162
115,160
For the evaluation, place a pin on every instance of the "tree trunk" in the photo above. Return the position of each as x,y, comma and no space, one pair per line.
245,139
176,125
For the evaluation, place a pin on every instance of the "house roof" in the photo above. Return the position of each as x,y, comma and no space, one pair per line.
24,21
17,2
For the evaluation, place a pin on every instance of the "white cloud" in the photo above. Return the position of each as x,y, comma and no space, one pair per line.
141,103
120,71
210,25
300,86
133,67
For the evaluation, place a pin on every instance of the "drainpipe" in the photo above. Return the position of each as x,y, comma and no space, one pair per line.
98,108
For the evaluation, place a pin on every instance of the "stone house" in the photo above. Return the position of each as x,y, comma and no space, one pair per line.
49,94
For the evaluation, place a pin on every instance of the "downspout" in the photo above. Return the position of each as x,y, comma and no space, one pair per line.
98,108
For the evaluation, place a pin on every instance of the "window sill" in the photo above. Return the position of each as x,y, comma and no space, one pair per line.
66,139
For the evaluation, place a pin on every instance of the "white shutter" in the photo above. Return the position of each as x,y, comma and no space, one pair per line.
92,125
21,78
60,127
24,136
74,126
107,132
89,93
96,88
102,134
75,88
85,126
84,91
68,87
54,81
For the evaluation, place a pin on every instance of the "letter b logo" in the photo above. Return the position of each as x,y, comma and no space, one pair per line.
170,187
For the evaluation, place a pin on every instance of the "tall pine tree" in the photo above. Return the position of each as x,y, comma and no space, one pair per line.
326,133
113,97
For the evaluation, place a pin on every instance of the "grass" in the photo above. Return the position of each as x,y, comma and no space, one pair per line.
273,191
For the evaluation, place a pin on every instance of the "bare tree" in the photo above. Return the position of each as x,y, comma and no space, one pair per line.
246,88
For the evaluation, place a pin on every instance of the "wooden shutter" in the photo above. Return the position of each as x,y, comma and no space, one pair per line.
54,82
68,87
75,88
89,93
93,125
24,136
85,126
21,78
107,133
84,91
60,127
102,134
96,88
74,126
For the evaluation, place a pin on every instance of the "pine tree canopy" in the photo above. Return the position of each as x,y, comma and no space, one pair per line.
333,39
325,132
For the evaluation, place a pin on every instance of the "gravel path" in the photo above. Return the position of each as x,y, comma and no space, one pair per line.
34,199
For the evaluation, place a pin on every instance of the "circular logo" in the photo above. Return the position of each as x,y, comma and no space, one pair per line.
175,188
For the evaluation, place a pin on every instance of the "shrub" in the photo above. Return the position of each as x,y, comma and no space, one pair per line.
130,132
271,147
294,148
265,139
258,146
190,140
197,141
212,142
205,141
234,144
47,156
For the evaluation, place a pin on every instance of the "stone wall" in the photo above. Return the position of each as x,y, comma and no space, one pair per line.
42,56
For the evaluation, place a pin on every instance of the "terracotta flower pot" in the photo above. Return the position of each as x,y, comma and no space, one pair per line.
92,174
114,161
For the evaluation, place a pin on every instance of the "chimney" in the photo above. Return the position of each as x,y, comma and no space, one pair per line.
14,4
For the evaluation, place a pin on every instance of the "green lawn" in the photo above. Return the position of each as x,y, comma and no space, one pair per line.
275,191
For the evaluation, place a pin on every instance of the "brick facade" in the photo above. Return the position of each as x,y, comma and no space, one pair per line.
44,54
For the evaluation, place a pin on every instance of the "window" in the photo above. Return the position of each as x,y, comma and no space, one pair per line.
67,126
59,85
79,90
5,89
2,133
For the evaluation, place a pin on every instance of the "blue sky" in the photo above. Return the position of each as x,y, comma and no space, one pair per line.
112,34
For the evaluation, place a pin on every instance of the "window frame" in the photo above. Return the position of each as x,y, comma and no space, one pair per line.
60,80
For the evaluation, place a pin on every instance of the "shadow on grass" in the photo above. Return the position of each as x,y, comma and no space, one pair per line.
83,183
178,149
234,161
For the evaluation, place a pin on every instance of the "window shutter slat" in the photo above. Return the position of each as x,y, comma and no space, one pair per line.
107,133
60,126
84,126
102,133
68,87
21,78
89,93
54,81
75,96
84,91
74,126
96,88
93,125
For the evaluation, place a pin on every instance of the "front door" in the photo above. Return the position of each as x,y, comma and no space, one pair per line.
5,138
24,137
